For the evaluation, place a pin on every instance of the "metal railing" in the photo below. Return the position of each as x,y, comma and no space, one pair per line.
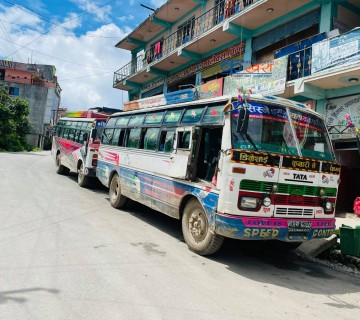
299,64
192,30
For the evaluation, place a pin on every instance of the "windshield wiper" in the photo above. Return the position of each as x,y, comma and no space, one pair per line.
251,140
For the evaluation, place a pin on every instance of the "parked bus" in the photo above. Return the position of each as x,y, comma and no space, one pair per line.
258,168
75,147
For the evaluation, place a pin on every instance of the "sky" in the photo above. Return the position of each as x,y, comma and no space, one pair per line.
78,37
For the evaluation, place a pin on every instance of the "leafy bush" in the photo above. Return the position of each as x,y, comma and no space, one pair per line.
14,124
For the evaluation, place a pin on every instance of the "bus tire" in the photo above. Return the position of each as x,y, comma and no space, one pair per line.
60,169
117,200
196,231
83,180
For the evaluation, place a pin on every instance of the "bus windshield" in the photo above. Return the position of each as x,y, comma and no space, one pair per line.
270,130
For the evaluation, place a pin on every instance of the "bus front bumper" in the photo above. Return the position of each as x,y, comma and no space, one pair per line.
257,228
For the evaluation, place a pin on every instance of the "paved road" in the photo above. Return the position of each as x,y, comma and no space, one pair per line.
66,254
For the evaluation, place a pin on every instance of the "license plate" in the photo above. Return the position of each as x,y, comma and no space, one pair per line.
299,226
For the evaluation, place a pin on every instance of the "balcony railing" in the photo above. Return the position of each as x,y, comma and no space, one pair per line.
299,64
192,30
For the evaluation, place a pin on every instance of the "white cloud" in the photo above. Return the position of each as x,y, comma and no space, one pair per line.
157,3
126,18
101,14
16,15
85,85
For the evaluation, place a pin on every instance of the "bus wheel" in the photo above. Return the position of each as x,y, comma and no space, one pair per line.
60,169
83,180
117,200
196,231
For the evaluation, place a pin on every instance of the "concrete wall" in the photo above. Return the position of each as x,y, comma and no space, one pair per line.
42,101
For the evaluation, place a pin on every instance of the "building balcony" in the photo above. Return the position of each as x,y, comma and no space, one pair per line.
318,71
189,44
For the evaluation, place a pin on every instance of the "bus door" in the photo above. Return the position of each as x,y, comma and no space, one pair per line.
182,154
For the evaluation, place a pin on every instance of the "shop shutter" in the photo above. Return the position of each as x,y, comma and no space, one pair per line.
286,30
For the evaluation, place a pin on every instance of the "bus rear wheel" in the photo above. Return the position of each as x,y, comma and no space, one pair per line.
60,169
83,180
196,231
117,200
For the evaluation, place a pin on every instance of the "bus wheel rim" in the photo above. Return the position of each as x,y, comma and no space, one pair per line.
198,225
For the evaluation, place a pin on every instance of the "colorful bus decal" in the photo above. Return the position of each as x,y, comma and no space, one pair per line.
274,228
167,191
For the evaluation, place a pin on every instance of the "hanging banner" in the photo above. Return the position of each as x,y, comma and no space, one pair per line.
265,78
336,111
151,102
211,89
338,51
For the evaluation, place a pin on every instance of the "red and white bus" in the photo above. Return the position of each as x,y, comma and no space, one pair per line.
75,146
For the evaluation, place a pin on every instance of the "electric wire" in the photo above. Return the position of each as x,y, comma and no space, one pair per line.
87,76
61,34
7,35
79,64
76,17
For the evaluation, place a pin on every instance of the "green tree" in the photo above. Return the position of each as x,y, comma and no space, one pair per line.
14,122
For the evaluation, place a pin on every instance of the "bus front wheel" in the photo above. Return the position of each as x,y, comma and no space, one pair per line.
83,180
60,169
117,200
196,231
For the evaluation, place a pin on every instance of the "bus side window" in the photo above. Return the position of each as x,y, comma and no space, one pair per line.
142,138
107,136
65,133
150,139
184,140
122,142
71,134
166,141
81,136
77,132
134,138
115,138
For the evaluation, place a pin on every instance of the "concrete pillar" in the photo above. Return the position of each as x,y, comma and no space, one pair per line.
248,51
320,106
329,10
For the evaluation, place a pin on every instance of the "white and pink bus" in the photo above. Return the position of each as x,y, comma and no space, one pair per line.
75,146
258,168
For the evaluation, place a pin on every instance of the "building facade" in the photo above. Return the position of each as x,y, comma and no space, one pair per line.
305,50
38,85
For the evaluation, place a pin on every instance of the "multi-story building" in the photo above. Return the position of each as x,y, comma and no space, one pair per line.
305,50
38,85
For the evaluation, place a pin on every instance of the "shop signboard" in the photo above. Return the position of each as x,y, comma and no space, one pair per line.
335,52
335,115
265,78
151,102
180,96
215,58
211,89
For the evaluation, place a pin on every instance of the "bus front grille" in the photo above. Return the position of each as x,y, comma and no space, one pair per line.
290,212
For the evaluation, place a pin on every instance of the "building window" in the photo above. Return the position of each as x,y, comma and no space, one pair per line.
186,31
14,91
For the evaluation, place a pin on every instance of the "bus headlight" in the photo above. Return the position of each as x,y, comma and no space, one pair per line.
266,201
249,203
328,206
321,192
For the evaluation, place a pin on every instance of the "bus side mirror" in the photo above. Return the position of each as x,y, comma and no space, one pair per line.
243,121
